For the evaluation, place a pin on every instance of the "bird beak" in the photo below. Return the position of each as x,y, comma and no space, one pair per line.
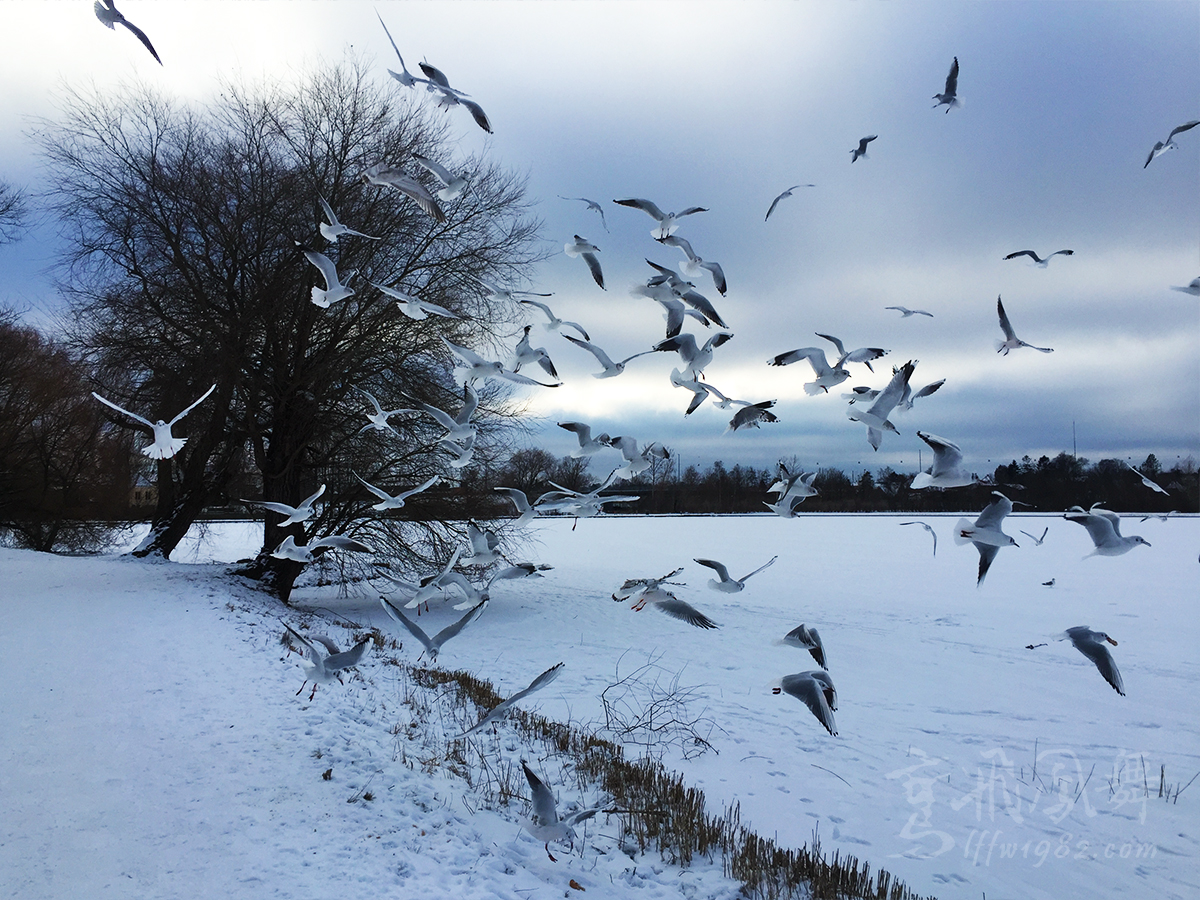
776,690
1110,640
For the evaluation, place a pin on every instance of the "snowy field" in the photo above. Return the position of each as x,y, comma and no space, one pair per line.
154,745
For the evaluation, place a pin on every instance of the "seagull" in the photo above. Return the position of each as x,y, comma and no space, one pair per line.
807,639
673,309
458,427
727,585
666,602
679,287
698,389
582,247
335,288
165,445
452,185
388,501
578,504
293,514
905,312
861,149
591,204
1011,341
506,294
476,595
1147,482
411,306
1159,147
1091,644
908,397
1037,541
485,546
588,445
1162,517
947,470
876,418
611,369
525,512
1049,583
107,13
526,353
405,77
386,176
817,692
1037,259
474,367
985,533
787,193
324,668
498,712
668,223
433,645
1104,527
289,549
633,586
435,584
694,358
553,322
932,534
862,355
636,461
752,414
827,376
694,264
378,420
448,96
947,98
798,487
545,824
462,452
333,229
1192,287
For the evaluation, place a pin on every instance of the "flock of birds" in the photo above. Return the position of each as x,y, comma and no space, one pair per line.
677,293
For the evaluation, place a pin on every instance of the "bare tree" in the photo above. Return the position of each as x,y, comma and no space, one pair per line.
13,212
185,272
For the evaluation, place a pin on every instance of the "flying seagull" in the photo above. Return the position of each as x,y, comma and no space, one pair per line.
405,77
1158,150
301,553
388,501
827,376
947,470
862,355
932,533
107,13
378,420
666,602
498,712
335,288
1011,341
611,369
1192,287
449,97
333,229
292,514
591,204
525,512
433,645
545,824
1037,259
526,354
752,414
694,263
861,149
411,306
807,639
1037,541
452,185
553,323
668,223
588,445
325,668
165,444
387,176
458,427
723,582
473,367
694,358
583,247
985,533
876,417
817,692
905,312
1104,528
1148,483
1092,645
636,461
948,97
786,193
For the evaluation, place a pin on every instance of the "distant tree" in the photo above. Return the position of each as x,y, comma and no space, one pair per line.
182,272
13,212
529,470
1150,467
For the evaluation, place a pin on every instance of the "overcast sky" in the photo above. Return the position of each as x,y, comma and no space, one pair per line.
723,105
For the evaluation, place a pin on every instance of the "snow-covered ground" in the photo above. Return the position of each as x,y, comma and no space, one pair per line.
153,745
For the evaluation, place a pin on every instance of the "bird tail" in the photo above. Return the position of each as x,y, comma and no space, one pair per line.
962,529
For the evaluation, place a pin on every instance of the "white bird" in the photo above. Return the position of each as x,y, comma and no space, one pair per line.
289,549
723,582
107,13
525,512
1192,287
580,504
752,414
1104,528
510,295
452,185
389,501
1011,341
947,470
500,710
668,223
333,229
165,444
462,452
1162,517
335,288
1037,259
553,322
680,288
433,645
699,393
695,359
905,312
435,584
876,417
634,586
861,149
815,689
611,369
862,355
293,514
378,420
807,639
636,461
985,533
405,77
584,248
387,176
827,376
787,193
458,427
323,668
1147,482
694,264
796,487
476,595
591,204
545,823
928,528
448,96
1159,147
948,97
674,312
666,602
411,306
588,445
485,546
908,397
473,367
526,354
1037,541
1092,645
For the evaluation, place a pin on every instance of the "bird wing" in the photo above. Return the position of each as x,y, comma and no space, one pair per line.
766,565
674,240
890,395
412,627
309,650
1158,145
952,79
451,630
1099,528
477,114
591,348
679,609
404,495
946,455
374,402
1028,253
378,492
1179,129
1005,325
516,496
309,501
814,355
437,169
282,508
133,416
538,683
544,807
593,265
719,568
141,35
329,214
698,301
837,343
987,553
341,542
644,205
1097,652
993,514
347,658
718,275
434,74
806,688
928,389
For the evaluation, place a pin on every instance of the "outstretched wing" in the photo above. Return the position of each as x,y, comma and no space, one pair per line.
133,416
193,406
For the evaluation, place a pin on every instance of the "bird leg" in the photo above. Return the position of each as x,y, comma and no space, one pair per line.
297,694
314,691
549,854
